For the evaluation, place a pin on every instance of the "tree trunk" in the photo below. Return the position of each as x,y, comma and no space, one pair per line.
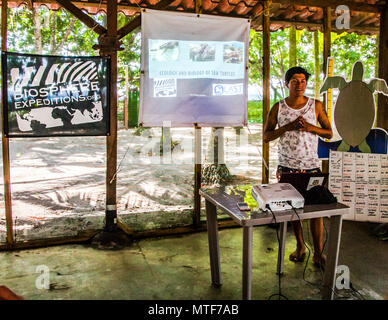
53,28
60,45
37,28
292,49
277,96
214,170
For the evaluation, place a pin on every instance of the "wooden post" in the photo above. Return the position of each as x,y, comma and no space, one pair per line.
326,37
317,69
5,141
382,109
197,174
126,99
111,141
266,85
197,156
326,54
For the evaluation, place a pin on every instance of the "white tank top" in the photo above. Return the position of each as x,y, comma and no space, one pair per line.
298,149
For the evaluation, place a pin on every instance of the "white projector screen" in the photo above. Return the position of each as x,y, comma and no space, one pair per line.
194,70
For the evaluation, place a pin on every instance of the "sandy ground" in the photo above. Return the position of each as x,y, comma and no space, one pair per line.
58,184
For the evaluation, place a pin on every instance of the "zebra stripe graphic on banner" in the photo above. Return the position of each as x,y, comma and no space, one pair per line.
72,72
38,76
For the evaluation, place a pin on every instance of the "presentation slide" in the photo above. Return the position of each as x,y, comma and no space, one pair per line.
196,59
190,79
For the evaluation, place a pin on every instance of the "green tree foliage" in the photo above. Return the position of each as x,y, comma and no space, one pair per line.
255,58
55,32
43,31
130,55
346,48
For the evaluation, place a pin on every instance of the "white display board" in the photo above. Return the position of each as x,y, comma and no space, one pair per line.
360,180
194,70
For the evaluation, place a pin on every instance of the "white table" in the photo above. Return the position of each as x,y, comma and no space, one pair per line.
226,200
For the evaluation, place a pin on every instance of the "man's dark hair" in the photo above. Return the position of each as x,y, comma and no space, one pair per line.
294,70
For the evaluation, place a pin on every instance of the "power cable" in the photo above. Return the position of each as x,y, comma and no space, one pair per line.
279,294
320,266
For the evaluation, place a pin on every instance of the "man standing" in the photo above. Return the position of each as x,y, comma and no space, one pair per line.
294,120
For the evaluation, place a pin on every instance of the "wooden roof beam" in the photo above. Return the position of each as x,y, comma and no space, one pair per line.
320,25
83,5
83,17
136,22
353,6
360,20
30,4
129,27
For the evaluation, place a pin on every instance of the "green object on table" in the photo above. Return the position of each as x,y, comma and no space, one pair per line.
252,203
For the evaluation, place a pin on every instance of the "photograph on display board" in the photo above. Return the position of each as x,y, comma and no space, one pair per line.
233,53
55,96
202,52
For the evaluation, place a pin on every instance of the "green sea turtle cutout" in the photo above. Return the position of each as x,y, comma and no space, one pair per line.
354,111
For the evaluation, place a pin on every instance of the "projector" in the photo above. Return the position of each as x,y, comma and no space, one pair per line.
277,196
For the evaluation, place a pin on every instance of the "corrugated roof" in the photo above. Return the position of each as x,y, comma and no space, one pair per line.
365,16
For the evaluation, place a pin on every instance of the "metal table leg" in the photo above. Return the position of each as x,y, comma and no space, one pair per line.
247,262
212,232
332,257
282,247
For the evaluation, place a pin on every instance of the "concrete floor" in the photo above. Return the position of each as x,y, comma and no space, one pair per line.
177,267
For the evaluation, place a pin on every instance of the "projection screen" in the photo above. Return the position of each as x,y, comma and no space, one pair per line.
194,70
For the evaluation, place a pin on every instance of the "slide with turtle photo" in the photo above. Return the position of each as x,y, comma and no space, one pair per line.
354,114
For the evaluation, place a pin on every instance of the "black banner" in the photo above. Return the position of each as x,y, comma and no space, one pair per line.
55,96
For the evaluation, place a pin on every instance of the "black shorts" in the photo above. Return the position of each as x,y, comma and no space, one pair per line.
282,169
